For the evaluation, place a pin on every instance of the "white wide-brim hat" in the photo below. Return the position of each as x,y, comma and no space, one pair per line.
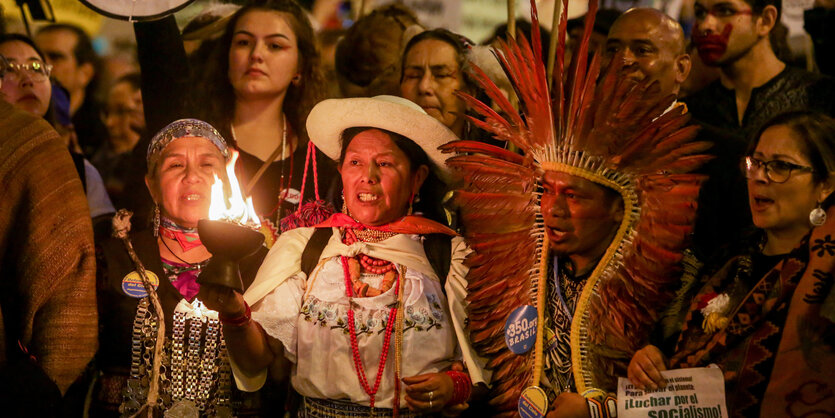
331,117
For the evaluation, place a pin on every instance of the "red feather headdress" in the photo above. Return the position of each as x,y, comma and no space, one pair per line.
616,132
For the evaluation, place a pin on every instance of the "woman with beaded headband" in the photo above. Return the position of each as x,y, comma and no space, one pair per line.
579,230
364,311
195,377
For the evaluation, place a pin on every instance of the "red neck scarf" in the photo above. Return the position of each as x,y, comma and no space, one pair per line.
186,237
409,224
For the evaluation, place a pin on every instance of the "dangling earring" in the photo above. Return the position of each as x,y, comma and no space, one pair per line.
156,220
414,199
297,80
817,216
344,205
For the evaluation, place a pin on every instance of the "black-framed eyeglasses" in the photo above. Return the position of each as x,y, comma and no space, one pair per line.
776,171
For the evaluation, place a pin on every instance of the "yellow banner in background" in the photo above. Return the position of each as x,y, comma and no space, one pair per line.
66,11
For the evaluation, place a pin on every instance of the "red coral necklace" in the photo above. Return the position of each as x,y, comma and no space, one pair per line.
371,265
351,283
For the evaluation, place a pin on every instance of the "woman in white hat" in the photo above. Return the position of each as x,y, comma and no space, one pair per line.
365,311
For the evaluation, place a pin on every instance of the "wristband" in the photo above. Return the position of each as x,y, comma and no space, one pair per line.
237,321
462,387
601,404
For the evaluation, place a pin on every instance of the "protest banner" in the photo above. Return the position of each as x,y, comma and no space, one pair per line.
690,393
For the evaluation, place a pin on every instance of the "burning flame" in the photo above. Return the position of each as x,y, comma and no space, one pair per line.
233,208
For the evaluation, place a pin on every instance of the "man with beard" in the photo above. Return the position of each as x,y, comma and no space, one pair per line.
754,85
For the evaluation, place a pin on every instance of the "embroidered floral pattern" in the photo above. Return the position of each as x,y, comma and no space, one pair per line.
335,316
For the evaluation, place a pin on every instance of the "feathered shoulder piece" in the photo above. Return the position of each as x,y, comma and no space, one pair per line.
614,131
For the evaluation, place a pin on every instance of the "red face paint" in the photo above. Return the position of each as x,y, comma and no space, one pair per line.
580,216
712,46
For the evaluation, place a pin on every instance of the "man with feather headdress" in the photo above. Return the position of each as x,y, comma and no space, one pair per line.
587,229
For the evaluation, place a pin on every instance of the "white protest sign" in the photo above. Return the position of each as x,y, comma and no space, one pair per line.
690,393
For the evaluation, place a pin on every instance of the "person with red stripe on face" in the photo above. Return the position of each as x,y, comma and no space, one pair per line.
754,85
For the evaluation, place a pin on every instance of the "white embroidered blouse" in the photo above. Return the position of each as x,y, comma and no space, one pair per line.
309,317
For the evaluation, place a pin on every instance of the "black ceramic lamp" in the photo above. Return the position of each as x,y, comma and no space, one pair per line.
228,242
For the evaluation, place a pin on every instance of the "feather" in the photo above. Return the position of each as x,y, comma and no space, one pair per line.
482,148
605,125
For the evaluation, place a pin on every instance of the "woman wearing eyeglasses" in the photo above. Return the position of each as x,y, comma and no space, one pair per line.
26,85
766,316
26,77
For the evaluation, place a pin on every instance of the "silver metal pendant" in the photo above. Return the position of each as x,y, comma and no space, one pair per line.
817,216
183,409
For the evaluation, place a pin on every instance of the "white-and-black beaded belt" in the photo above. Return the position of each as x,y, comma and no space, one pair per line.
325,408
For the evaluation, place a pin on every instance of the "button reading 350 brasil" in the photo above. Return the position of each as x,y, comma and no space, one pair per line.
520,329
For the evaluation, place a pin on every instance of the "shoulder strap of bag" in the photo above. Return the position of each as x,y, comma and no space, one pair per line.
438,249
314,248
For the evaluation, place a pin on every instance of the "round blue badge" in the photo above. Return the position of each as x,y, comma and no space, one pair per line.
520,329
132,284
533,403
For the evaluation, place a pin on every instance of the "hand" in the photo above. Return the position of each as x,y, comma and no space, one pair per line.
428,392
457,409
645,368
569,405
222,299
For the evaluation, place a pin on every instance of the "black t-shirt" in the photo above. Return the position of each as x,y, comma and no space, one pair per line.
287,174
791,89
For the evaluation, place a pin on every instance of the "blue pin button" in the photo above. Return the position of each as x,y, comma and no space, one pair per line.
520,329
533,403
132,284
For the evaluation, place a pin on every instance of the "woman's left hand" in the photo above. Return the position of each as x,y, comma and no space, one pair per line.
428,392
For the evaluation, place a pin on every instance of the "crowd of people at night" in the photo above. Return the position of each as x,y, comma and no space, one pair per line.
272,209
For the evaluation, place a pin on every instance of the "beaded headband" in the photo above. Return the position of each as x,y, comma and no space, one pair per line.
186,128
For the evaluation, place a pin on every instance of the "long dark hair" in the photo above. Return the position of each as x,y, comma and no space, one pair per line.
217,104
433,189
